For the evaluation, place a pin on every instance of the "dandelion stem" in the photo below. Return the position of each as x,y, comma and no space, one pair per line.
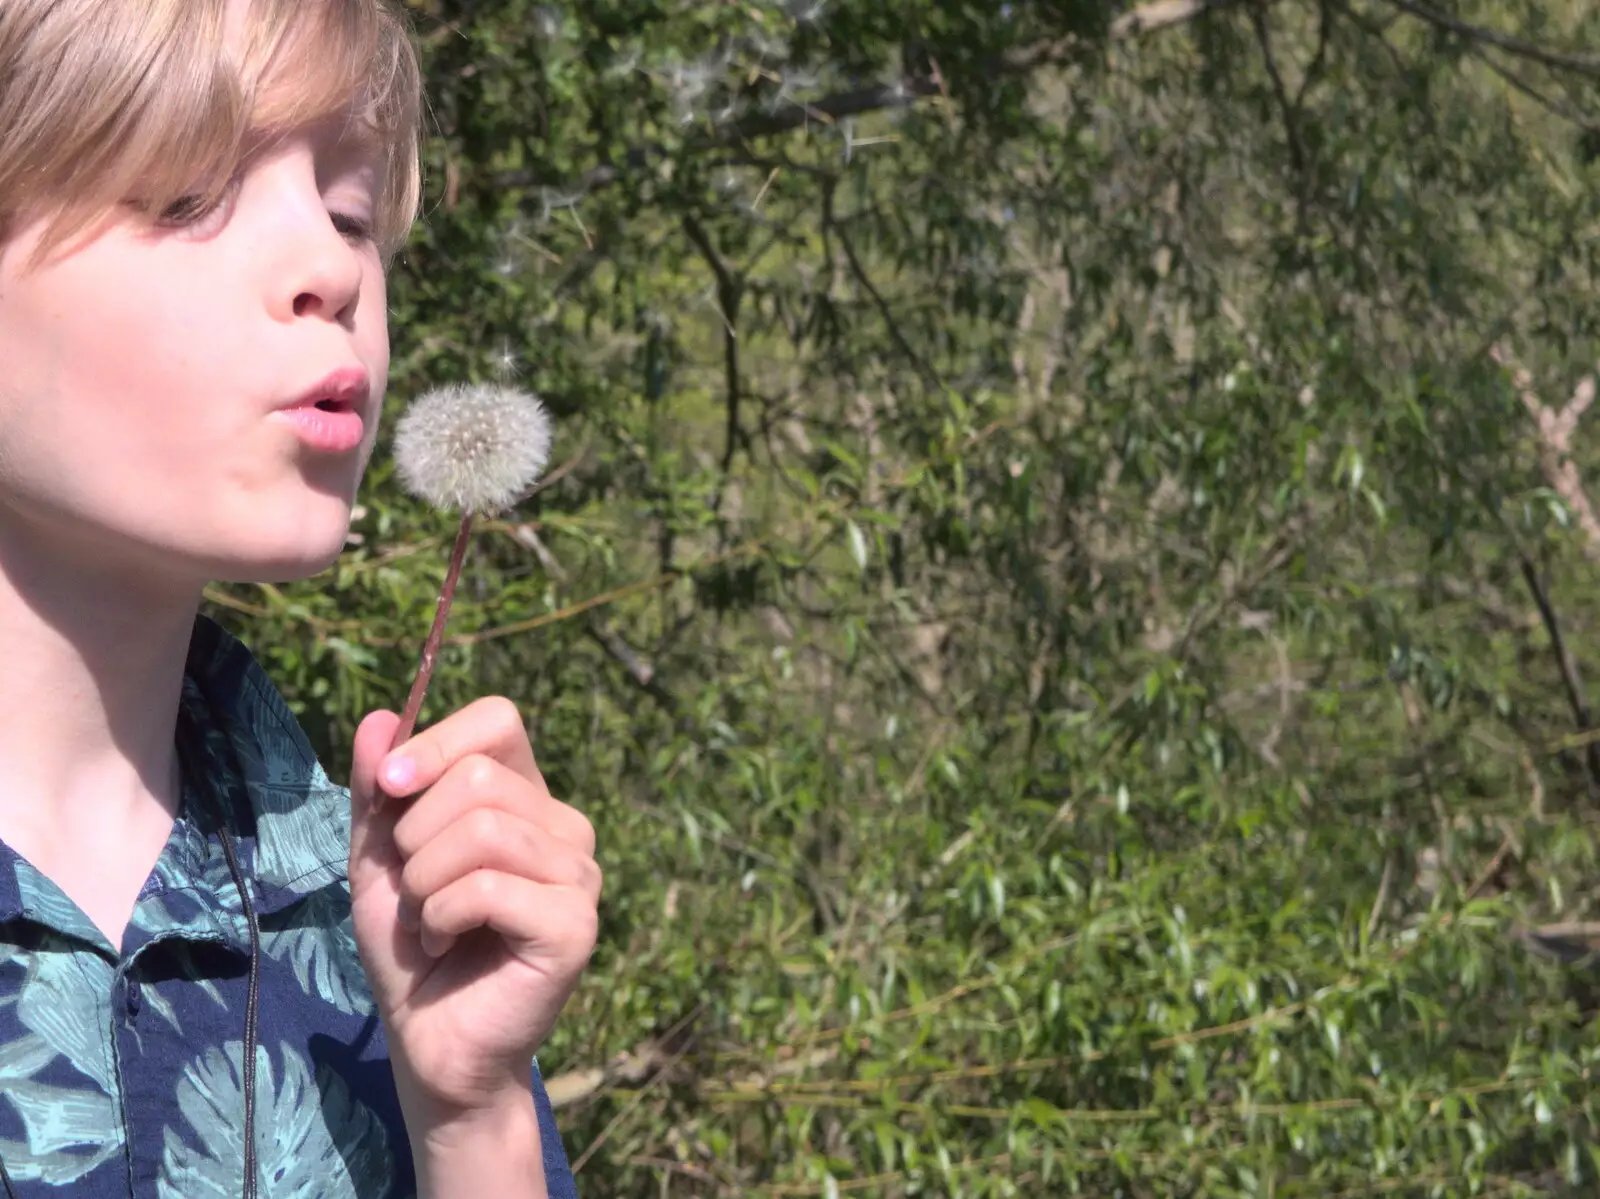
430,648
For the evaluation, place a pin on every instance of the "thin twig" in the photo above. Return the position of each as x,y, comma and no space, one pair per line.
1489,871
1567,665
638,1096
1501,41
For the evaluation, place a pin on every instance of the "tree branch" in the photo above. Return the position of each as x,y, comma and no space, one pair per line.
637,667
633,663
1556,428
1500,41
730,291
829,222
1162,14
1577,698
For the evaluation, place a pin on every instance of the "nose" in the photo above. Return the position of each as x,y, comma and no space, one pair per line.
319,273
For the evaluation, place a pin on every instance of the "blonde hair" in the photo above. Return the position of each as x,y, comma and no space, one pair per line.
103,102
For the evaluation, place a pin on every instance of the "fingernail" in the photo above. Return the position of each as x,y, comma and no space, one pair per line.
400,772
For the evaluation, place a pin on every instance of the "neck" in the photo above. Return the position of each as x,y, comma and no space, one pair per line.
93,654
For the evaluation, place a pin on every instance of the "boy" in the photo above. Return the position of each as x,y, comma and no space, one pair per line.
219,973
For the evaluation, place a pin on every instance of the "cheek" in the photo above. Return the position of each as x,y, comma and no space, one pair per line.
372,344
116,385
124,349
375,329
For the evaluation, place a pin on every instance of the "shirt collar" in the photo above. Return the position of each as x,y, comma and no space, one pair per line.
290,821
249,768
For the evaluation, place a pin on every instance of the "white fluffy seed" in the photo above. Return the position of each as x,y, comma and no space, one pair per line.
472,447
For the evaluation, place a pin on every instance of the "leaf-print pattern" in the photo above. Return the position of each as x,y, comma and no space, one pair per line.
313,1138
61,1118
49,905
196,900
50,1006
57,1169
320,946
68,1130
304,839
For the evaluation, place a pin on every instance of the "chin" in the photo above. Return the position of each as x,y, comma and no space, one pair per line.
300,554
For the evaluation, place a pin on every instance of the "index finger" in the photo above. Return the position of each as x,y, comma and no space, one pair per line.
491,726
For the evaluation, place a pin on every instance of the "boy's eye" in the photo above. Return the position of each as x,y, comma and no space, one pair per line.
186,210
196,209
352,227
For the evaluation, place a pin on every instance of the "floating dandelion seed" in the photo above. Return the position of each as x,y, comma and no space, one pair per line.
470,448
505,361
625,65
800,81
547,21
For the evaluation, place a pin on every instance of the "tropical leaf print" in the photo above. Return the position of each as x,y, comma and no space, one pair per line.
304,831
58,1002
49,905
321,948
197,897
314,1140
67,1130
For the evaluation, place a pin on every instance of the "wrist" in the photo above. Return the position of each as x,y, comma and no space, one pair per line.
492,1150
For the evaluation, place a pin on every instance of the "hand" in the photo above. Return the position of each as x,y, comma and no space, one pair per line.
474,905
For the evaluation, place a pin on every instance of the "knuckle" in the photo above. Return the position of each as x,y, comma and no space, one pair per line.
583,834
503,712
486,886
594,878
486,826
579,927
586,928
481,774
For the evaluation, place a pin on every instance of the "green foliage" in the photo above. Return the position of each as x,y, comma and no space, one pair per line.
1051,591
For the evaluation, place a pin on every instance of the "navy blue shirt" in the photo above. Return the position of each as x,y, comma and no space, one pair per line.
122,1067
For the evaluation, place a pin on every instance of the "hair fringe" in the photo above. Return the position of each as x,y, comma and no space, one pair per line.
103,104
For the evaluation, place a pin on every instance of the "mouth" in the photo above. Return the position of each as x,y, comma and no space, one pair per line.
331,416
344,390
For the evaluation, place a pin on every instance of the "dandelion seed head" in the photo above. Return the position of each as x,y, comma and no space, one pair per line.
472,447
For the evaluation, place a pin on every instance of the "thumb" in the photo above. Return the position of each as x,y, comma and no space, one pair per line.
374,736
390,955
372,820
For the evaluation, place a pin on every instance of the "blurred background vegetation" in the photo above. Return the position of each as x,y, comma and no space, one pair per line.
1067,585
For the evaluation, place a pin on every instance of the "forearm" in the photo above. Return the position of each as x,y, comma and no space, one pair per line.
494,1152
